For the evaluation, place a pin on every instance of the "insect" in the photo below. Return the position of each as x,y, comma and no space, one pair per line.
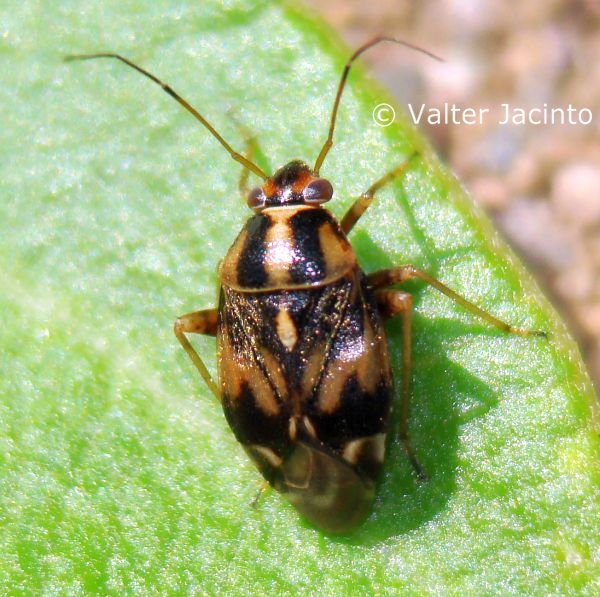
304,372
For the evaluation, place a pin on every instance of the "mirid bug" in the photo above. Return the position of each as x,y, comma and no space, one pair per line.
304,372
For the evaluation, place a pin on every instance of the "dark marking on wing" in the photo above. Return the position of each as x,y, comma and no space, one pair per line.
267,382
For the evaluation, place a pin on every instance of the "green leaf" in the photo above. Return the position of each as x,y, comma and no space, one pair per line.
118,473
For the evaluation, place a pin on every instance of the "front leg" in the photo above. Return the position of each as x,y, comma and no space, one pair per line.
358,208
198,322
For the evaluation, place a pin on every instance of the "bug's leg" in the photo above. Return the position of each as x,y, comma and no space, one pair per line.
198,322
359,207
249,152
261,490
392,303
402,273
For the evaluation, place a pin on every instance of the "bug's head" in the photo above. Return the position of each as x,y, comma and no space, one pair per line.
294,184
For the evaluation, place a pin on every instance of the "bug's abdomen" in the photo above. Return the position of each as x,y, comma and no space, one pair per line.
305,383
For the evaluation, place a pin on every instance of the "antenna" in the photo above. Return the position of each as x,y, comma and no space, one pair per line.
377,40
234,154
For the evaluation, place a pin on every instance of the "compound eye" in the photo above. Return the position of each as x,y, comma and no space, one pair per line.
256,198
317,191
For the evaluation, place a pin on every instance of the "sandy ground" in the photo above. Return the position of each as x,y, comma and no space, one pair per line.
539,182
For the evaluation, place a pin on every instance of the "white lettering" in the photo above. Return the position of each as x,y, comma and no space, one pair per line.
434,116
589,113
416,119
452,114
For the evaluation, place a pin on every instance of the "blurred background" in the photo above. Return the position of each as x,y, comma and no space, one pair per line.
540,183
